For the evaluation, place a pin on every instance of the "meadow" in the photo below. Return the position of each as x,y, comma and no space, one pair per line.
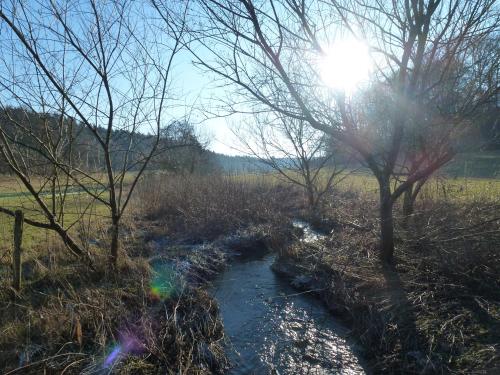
438,187
404,92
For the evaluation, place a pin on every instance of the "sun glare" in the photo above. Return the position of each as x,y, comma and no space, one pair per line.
346,65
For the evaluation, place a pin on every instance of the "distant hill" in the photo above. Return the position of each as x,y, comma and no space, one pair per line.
479,164
183,151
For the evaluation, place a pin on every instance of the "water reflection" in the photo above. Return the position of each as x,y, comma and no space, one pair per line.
309,234
275,330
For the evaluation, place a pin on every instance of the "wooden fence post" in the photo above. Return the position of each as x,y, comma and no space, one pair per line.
18,239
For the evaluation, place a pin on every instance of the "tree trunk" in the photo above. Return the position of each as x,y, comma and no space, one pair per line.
408,203
386,223
71,244
18,238
310,199
115,244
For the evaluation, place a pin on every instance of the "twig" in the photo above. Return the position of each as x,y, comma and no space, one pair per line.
40,362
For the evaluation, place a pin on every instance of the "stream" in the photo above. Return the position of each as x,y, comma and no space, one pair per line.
273,329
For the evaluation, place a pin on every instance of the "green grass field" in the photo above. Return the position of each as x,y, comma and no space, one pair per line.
79,216
485,164
81,212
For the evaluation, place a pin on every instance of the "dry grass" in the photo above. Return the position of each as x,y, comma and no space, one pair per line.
438,310
70,320
439,187
203,208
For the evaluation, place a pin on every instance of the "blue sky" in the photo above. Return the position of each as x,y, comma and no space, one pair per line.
198,90
190,90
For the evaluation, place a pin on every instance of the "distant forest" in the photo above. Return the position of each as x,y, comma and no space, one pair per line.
181,150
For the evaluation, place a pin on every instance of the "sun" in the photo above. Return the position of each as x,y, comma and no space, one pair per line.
346,65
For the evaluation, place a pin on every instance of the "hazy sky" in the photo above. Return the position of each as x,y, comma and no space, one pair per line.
192,91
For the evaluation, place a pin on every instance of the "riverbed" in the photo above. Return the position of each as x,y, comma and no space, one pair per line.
273,329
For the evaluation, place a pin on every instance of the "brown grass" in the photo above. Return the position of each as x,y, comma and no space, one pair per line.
438,310
203,208
70,320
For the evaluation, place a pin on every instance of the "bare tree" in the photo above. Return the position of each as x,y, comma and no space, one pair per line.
440,131
105,65
182,150
270,51
300,154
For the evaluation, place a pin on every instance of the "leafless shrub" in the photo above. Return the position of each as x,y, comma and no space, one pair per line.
204,207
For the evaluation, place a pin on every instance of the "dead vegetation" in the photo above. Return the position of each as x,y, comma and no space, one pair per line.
71,321
151,315
204,208
437,310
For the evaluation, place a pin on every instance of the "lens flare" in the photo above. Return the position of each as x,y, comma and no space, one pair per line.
128,343
113,356
163,283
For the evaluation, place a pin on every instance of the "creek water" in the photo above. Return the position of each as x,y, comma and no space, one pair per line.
273,329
